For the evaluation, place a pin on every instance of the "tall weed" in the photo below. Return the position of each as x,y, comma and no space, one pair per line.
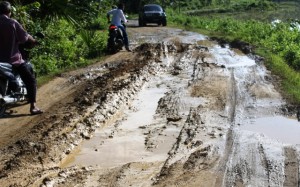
95,42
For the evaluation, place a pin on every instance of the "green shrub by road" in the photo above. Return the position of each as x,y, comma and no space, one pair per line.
278,43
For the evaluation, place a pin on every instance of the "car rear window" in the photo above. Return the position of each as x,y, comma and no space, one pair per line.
152,8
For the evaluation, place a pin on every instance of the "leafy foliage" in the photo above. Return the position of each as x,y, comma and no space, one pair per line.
94,41
74,31
280,42
59,49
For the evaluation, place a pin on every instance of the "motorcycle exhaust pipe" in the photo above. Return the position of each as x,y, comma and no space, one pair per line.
9,100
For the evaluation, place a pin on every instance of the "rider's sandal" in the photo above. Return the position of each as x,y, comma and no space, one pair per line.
36,111
127,48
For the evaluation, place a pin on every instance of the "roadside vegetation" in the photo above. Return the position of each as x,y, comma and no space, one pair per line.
275,36
76,31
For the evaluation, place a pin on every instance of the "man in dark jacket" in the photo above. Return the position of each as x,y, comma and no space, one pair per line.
11,35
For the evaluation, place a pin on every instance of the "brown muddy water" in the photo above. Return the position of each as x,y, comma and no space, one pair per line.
123,141
278,128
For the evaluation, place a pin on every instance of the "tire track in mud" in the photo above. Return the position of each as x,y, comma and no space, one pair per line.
265,162
247,159
291,167
198,156
232,98
230,138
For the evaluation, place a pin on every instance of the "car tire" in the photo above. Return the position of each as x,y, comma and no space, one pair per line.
164,23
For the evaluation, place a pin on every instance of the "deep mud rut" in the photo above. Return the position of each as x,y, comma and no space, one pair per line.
174,112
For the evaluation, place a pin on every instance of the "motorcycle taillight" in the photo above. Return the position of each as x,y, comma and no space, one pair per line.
112,27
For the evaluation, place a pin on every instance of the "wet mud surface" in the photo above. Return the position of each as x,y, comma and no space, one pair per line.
175,112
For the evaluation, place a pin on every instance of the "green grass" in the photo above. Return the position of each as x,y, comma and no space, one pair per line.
289,82
279,45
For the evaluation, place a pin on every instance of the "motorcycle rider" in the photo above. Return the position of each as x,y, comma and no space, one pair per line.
11,35
117,18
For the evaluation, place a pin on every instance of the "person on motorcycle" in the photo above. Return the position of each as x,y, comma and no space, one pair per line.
117,18
11,35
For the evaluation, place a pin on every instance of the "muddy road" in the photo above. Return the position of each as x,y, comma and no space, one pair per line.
180,110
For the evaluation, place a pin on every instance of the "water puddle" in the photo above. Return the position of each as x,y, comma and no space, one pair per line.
206,43
190,37
230,58
282,129
124,141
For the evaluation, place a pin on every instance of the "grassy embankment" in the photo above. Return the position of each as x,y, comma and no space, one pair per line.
278,44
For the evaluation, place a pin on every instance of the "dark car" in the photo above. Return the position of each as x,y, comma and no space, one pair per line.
152,13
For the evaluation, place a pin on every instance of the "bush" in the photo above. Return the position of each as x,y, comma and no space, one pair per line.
95,42
61,47
66,46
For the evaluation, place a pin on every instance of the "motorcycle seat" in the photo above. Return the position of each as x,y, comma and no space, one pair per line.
5,66
6,71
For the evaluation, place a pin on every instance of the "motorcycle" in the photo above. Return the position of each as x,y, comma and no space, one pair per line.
12,88
115,39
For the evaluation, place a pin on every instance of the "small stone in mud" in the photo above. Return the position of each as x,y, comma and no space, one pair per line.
46,180
62,174
85,135
212,135
197,143
175,73
174,118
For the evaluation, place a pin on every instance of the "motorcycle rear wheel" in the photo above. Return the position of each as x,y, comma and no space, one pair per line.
2,106
111,50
